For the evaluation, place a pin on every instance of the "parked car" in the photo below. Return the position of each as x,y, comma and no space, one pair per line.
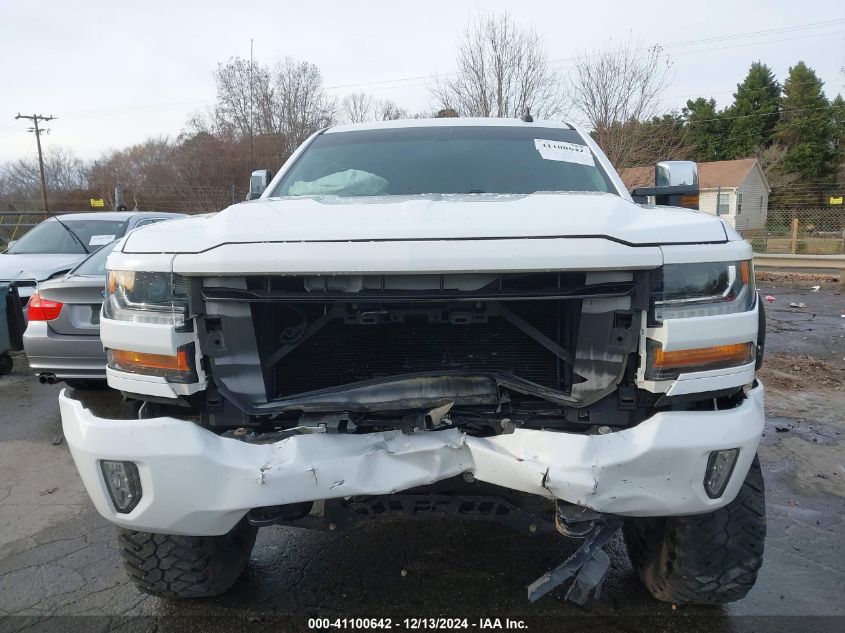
11,326
62,337
447,318
54,246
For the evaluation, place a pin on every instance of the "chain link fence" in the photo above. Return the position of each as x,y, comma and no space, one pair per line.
818,231
15,223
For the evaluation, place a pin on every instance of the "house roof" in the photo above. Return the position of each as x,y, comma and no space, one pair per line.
720,173
638,176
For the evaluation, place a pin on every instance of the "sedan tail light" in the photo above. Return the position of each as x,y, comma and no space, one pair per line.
39,309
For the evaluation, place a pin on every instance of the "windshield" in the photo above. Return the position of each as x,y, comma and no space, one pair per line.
51,238
459,159
95,264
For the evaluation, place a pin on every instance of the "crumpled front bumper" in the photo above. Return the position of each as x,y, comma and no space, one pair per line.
195,482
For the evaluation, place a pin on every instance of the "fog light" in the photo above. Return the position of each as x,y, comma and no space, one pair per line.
123,484
719,468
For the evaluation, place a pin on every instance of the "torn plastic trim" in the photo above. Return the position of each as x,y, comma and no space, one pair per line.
588,565
403,392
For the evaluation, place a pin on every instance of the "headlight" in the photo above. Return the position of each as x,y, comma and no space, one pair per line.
694,290
145,297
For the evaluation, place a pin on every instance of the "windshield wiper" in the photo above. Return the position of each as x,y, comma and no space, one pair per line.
69,230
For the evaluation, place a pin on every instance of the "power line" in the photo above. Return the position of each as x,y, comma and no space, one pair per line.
724,92
35,118
777,41
422,80
799,27
776,113
558,61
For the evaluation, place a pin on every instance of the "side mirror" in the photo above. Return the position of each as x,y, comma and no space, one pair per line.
675,184
258,183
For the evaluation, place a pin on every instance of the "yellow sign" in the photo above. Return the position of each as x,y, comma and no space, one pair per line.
99,203
835,199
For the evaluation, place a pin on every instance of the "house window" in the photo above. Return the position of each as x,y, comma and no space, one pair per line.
738,203
724,205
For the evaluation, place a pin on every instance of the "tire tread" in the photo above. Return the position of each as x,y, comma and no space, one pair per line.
173,566
706,558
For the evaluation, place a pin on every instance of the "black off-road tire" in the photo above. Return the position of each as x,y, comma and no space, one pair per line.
186,566
705,558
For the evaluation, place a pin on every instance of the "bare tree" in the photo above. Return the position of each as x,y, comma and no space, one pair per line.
388,110
143,169
20,184
360,107
771,161
502,70
285,101
300,106
244,97
616,92
357,107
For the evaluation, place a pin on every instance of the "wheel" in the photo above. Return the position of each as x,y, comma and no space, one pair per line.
186,566
6,364
704,558
86,384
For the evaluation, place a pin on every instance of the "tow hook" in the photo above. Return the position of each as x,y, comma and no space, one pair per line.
589,563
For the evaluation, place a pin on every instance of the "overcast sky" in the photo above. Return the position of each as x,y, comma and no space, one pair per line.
116,73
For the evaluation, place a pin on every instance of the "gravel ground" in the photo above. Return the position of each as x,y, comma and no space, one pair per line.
58,557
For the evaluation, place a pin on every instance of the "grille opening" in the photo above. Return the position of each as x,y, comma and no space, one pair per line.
373,340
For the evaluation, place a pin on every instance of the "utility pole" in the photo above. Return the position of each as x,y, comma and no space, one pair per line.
251,63
119,205
35,118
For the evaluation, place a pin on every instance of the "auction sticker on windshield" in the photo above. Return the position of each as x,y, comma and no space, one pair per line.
563,151
100,240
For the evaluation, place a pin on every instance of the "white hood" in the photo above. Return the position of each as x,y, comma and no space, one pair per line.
431,217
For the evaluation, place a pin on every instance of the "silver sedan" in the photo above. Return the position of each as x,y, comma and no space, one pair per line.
62,338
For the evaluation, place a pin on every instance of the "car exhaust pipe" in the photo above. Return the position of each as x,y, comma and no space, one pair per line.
47,379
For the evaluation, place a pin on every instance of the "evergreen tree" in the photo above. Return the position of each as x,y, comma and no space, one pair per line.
754,114
705,130
806,128
837,115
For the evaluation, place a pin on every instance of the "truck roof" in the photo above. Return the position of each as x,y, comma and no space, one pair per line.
447,122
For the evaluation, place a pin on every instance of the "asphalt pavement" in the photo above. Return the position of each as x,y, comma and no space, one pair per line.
58,557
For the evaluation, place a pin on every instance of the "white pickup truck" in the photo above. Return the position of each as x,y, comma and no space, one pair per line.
449,318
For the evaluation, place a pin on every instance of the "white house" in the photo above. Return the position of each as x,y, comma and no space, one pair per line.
736,190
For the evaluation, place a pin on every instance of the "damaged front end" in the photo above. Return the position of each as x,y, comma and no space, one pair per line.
477,352
482,353
328,400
